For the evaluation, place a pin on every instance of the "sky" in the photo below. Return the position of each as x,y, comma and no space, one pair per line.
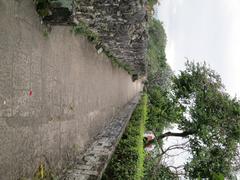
204,30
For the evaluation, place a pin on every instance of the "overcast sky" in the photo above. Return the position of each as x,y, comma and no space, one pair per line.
204,30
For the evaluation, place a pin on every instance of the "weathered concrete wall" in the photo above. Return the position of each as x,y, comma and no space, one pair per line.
56,92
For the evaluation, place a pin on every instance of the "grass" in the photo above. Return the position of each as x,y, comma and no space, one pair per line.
128,159
117,63
84,30
45,33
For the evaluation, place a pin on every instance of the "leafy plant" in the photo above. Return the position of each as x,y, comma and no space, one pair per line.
212,123
159,72
84,30
128,159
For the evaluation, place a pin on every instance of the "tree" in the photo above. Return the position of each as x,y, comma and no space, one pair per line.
159,72
210,120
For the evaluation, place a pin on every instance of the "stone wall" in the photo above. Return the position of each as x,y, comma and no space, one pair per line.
120,24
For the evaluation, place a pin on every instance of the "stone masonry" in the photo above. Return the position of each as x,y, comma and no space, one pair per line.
94,161
120,25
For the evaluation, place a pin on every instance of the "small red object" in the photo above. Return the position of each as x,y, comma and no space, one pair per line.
30,93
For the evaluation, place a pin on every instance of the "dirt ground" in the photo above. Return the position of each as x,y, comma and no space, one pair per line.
56,92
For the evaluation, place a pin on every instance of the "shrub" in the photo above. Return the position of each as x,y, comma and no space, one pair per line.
128,159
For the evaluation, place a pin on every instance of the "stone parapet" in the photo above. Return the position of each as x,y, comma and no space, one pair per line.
93,162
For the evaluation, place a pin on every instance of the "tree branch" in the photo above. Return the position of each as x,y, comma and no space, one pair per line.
182,134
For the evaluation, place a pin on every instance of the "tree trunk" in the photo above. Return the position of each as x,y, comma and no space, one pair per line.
182,134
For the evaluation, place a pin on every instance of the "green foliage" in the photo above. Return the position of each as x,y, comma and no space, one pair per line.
45,33
159,72
164,173
213,120
162,110
197,102
154,171
156,45
217,176
151,4
200,106
128,159
84,30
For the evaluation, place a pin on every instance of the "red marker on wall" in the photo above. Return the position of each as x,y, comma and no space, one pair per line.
30,92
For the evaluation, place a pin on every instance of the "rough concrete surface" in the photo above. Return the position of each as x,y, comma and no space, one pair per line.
56,92
94,160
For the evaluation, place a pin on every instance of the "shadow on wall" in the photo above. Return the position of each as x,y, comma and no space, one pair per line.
56,12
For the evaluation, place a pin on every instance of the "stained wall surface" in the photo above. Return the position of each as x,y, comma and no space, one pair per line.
56,92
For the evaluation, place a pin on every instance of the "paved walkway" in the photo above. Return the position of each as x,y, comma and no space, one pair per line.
56,92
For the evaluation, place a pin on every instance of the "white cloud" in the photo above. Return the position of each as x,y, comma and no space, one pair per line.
232,48
204,30
170,53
